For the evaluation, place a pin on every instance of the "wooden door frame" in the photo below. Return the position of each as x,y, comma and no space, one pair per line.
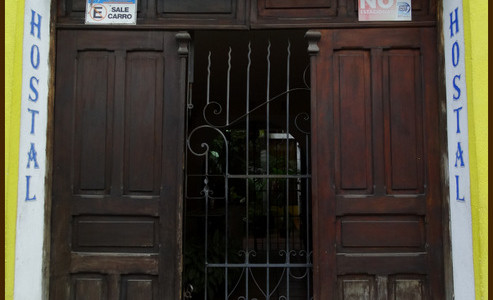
312,51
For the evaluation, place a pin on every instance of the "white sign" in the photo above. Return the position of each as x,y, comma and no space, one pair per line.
458,150
111,12
384,10
30,272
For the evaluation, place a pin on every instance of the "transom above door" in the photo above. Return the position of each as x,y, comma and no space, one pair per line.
243,14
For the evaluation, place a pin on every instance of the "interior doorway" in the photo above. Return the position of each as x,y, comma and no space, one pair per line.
247,209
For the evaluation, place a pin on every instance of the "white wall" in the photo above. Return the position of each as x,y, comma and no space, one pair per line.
458,151
30,229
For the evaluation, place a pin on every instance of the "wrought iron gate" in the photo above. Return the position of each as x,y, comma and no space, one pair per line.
247,202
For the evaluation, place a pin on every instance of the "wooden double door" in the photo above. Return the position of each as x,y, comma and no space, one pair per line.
117,165
116,214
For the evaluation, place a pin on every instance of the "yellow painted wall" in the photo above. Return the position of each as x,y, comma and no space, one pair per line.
14,28
476,42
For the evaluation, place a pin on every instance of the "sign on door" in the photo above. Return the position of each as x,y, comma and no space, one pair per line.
384,10
111,12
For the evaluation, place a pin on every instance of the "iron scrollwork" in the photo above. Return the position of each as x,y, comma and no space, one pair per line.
283,266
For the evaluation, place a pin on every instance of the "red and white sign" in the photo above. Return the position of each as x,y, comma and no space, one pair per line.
384,10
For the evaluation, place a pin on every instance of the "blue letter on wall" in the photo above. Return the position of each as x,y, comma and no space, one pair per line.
35,25
454,20
457,110
456,87
33,88
458,155
455,54
28,181
33,112
35,56
457,189
31,156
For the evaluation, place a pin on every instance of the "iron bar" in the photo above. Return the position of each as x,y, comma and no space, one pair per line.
287,166
208,78
190,77
259,176
227,86
259,265
247,159
226,193
206,190
268,169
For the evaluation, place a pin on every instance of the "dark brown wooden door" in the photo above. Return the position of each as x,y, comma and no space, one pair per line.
118,148
376,182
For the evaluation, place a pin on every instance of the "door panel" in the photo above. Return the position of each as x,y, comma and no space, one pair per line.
274,11
93,131
403,119
117,181
191,6
143,123
88,287
376,178
352,122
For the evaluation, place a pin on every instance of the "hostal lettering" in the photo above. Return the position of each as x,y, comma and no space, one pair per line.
33,96
456,97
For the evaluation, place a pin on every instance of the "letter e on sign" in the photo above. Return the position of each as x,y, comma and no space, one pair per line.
98,12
